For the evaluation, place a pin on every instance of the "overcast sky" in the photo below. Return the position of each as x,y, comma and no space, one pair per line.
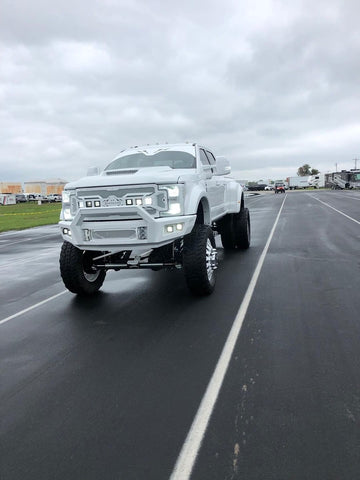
269,84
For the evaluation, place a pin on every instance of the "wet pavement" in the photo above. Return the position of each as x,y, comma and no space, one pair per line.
108,387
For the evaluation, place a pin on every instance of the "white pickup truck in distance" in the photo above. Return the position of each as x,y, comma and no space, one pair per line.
152,207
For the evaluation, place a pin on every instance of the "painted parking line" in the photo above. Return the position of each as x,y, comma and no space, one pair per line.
335,209
4,320
190,449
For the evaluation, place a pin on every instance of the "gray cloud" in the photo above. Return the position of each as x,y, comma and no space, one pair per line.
271,85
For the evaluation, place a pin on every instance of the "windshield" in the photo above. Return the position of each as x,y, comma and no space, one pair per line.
172,159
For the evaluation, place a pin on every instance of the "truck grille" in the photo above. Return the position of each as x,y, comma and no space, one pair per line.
149,197
117,192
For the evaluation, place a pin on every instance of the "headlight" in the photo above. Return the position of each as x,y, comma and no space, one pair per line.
66,196
67,214
69,207
173,191
175,200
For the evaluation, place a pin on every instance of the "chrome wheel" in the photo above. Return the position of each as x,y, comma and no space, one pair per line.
211,259
91,273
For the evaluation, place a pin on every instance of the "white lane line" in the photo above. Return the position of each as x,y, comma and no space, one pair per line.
344,195
336,210
350,196
4,320
190,449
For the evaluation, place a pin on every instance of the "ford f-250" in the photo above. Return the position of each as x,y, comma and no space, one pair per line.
152,207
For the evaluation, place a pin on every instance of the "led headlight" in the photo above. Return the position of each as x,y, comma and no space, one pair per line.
174,208
175,200
69,206
66,196
173,191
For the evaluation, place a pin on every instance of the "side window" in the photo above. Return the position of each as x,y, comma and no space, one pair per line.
203,158
211,157
211,160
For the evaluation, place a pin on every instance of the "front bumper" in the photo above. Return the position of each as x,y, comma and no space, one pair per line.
104,230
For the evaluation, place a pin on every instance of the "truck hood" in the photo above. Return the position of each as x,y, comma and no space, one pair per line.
160,175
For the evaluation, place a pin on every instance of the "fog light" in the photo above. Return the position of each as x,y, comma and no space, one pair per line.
169,228
88,203
142,233
129,201
66,231
179,226
97,203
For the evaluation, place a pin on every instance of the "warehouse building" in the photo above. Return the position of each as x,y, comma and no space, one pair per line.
45,187
55,185
35,186
10,187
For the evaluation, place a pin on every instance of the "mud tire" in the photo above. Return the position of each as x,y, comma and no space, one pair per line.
77,272
200,279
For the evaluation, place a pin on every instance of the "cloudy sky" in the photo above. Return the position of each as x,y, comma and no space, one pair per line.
271,84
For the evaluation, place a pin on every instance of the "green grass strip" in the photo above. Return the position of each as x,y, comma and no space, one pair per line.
27,215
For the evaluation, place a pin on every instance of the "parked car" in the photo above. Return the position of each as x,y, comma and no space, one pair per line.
35,197
257,187
54,197
20,198
29,197
269,187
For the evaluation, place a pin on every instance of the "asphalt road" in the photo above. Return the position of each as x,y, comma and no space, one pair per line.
108,388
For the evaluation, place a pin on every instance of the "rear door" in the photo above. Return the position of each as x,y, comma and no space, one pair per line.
220,199
215,189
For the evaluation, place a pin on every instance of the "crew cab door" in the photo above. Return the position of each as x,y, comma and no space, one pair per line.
214,187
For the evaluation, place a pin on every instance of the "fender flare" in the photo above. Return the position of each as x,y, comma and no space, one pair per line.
198,199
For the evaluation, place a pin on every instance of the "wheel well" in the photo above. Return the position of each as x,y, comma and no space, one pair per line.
203,212
242,204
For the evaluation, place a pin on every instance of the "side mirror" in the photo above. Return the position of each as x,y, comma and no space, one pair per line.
222,166
91,171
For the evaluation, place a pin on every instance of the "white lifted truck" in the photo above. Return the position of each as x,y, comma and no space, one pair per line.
152,207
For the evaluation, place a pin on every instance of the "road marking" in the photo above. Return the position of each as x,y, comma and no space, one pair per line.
350,196
336,210
342,194
4,320
190,449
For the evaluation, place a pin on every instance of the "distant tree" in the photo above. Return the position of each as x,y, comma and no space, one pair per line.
304,170
314,171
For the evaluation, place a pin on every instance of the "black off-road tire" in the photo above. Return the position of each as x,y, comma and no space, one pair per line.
200,278
242,229
77,272
227,232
